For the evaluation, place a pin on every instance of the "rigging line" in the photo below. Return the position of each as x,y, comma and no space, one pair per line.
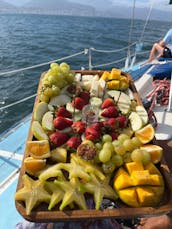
43,64
113,62
19,101
110,51
131,25
146,22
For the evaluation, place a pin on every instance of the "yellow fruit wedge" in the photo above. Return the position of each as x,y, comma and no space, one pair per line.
38,131
40,110
59,154
155,152
145,134
38,149
34,165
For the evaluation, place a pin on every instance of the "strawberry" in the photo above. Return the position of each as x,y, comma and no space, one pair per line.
58,138
122,121
61,123
85,95
111,123
78,103
92,134
110,112
107,103
73,142
78,127
114,135
61,111
97,126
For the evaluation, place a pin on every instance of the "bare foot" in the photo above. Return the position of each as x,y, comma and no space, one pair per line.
157,222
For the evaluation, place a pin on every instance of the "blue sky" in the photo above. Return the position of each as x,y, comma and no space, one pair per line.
159,4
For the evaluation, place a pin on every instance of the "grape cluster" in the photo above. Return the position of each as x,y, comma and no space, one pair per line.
56,78
114,153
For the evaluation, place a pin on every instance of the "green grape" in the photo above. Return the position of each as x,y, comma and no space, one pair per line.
106,138
48,92
123,137
52,79
136,155
108,167
117,160
136,142
98,145
70,77
146,158
55,90
108,146
104,155
120,149
44,98
116,143
55,66
65,65
127,157
128,145
46,83
52,72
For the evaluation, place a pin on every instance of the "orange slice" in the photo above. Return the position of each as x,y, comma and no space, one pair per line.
145,134
38,149
155,152
34,165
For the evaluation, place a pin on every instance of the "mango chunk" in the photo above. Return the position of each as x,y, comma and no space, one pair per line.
141,177
129,197
134,166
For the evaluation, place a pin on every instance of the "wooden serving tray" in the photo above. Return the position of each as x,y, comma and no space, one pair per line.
41,213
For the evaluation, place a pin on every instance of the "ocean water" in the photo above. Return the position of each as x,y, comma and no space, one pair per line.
27,40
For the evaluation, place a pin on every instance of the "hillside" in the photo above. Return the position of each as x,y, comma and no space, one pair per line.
5,5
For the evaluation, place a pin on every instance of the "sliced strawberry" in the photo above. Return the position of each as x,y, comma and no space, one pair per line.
92,134
107,103
110,112
61,123
122,121
78,127
78,103
61,111
73,142
97,125
85,95
58,138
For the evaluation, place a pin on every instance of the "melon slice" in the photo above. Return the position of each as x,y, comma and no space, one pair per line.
121,99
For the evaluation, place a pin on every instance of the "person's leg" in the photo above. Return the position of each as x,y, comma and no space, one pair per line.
156,48
157,222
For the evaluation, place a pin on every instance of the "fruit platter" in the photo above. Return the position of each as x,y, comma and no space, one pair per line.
91,151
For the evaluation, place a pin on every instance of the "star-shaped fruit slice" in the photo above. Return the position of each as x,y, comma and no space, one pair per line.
72,193
33,193
89,167
99,189
52,171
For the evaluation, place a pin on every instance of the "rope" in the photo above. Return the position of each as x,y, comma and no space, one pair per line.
19,101
112,51
113,62
43,64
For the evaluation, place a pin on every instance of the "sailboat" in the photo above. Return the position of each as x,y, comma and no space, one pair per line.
148,82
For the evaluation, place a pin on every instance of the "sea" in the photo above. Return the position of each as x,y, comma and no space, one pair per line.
29,40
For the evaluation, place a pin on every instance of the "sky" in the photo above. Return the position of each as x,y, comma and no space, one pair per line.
158,4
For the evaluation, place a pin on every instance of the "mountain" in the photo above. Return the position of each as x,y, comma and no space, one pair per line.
59,7
6,5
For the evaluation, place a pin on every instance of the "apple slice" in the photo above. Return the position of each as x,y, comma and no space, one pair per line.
47,121
71,109
122,100
38,131
59,100
135,121
40,110
96,101
143,114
